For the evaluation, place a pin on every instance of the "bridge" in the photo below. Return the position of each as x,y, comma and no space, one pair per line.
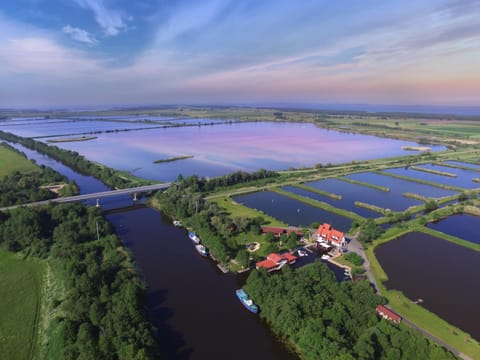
97,196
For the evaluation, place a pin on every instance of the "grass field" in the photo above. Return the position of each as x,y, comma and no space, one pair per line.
10,161
20,284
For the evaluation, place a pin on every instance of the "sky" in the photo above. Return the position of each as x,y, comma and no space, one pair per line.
153,52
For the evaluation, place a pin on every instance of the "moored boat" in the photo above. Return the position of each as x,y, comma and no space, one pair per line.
246,301
192,236
202,250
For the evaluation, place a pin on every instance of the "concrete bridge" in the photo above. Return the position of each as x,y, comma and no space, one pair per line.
97,196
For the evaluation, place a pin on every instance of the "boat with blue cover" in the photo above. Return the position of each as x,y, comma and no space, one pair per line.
246,301
192,236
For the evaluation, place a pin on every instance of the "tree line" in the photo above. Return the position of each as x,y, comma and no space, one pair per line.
323,319
101,315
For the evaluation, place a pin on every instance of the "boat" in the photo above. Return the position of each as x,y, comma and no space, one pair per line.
302,253
246,301
325,257
192,236
177,223
202,250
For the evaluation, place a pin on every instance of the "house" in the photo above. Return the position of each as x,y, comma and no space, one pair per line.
388,314
326,233
276,261
277,231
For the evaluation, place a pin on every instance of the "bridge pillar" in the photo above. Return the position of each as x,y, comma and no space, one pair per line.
134,196
98,203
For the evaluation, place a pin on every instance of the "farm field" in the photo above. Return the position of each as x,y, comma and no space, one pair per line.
20,306
10,161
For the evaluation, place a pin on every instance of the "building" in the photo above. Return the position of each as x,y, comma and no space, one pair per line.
277,231
388,314
276,261
326,233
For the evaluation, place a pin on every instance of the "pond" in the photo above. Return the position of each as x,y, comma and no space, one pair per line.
290,211
400,185
344,203
444,275
393,199
225,148
463,226
464,177
469,165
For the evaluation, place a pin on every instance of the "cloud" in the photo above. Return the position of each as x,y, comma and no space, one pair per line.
111,21
79,35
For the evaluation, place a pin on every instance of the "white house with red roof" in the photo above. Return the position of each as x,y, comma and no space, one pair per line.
326,233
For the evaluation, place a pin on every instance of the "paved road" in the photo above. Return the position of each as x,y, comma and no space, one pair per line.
97,195
355,246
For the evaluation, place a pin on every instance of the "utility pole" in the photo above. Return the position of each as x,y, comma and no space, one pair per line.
98,235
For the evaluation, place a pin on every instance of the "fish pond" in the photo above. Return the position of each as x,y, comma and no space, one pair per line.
290,211
463,178
393,199
341,204
463,226
401,185
442,275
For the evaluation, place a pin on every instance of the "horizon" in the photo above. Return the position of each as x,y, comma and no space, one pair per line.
94,52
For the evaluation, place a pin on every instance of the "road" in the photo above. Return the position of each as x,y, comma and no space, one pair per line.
97,195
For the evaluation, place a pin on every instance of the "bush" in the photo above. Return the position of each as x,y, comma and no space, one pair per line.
354,258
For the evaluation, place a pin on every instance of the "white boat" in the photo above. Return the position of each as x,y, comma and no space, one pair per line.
192,236
202,250
325,257
302,253
177,223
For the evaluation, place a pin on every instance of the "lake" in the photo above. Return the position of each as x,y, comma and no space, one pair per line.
290,211
463,226
225,148
443,274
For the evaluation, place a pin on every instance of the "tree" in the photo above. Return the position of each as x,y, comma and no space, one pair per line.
242,258
431,205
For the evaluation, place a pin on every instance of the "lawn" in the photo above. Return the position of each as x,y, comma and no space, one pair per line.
10,161
20,284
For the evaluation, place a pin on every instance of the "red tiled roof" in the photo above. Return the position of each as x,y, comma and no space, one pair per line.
289,257
384,311
274,257
267,264
330,234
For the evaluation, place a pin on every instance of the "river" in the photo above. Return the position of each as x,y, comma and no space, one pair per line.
190,302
